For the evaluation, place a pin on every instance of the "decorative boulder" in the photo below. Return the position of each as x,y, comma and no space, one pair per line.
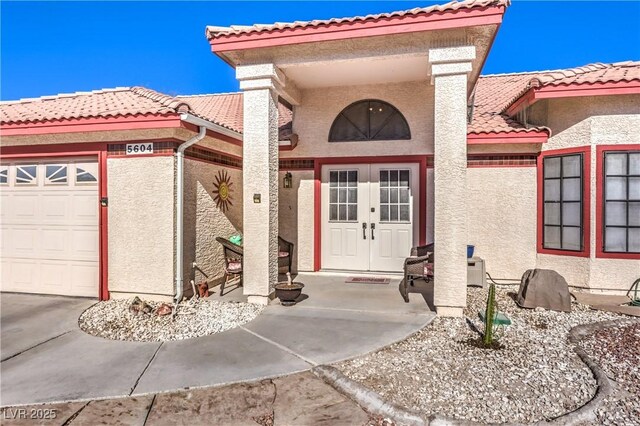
163,310
203,289
138,307
544,288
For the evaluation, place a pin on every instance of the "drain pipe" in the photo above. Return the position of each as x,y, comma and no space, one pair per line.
180,211
203,126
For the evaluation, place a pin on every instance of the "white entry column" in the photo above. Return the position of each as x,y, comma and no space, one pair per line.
260,179
449,70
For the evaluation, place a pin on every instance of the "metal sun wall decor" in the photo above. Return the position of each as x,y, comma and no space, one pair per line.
222,190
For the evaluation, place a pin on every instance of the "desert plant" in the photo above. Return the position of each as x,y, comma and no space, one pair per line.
489,315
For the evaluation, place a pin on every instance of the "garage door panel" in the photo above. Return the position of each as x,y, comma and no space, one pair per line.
84,278
55,243
5,273
85,243
5,238
54,276
84,207
23,275
5,204
25,208
55,208
50,236
24,242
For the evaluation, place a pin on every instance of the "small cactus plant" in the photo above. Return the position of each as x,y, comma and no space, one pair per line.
489,314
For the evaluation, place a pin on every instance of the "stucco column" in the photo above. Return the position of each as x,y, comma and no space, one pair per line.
260,180
449,69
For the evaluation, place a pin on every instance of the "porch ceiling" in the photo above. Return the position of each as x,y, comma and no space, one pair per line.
390,58
390,69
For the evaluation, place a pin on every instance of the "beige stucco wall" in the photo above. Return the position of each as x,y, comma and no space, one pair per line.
296,214
141,226
319,107
501,210
589,122
204,221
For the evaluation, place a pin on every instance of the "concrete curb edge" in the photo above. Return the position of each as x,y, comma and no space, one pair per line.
376,404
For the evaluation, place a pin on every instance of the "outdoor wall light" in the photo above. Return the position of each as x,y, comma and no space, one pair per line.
287,182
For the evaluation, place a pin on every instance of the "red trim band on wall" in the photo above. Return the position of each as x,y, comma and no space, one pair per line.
586,202
600,151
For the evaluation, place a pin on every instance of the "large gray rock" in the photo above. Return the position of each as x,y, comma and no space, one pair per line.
544,288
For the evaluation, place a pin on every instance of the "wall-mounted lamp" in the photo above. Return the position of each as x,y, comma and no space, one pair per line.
287,182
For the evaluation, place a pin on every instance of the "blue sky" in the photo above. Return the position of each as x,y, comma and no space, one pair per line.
61,47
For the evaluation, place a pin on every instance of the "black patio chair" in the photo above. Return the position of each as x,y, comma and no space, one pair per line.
418,266
285,253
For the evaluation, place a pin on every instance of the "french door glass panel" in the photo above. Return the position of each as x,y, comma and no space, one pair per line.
368,218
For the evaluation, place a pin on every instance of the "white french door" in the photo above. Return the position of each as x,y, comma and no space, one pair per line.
369,222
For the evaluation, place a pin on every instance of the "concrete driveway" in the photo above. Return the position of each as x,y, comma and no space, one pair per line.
47,358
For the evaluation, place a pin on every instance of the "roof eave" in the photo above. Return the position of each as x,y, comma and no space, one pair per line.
460,18
524,136
551,91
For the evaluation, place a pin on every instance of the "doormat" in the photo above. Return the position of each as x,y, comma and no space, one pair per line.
368,280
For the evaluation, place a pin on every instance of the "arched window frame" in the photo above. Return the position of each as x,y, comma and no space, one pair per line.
369,137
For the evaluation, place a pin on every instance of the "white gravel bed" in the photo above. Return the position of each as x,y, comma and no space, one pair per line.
195,318
535,376
617,351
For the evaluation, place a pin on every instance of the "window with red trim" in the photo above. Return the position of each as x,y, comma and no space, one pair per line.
621,202
563,202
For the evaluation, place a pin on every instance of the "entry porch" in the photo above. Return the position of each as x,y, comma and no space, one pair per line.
367,113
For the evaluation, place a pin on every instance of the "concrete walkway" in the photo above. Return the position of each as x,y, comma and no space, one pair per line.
47,358
299,399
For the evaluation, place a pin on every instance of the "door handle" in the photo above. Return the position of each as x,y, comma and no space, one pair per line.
373,227
364,230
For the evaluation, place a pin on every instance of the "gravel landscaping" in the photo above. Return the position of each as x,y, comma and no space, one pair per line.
195,318
617,351
536,375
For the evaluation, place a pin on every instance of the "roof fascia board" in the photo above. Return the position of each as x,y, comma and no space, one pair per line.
384,26
92,124
535,94
507,138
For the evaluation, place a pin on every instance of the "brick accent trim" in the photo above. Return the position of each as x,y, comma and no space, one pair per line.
214,157
297,164
159,148
496,160
511,160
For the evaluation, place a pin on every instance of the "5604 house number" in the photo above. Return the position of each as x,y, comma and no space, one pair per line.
139,148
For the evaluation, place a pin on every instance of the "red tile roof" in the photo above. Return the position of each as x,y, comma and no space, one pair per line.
588,74
121,101
226,109
493,94
215,31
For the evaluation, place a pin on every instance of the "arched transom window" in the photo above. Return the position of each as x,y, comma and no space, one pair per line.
369,120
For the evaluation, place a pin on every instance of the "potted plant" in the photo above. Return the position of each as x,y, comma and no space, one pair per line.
288,292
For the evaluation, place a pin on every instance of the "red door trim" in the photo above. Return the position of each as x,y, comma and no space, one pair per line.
317,185
600,150
97,150
586,202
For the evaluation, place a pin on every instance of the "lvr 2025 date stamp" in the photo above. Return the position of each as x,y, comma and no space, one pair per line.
29,413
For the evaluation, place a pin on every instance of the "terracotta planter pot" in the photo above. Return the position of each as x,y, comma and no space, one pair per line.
288,293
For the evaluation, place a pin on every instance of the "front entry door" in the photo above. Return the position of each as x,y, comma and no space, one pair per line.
369,222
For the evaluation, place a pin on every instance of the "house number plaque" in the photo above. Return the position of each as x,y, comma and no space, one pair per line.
139,148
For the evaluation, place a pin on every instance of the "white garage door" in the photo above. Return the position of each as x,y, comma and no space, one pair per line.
49,224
